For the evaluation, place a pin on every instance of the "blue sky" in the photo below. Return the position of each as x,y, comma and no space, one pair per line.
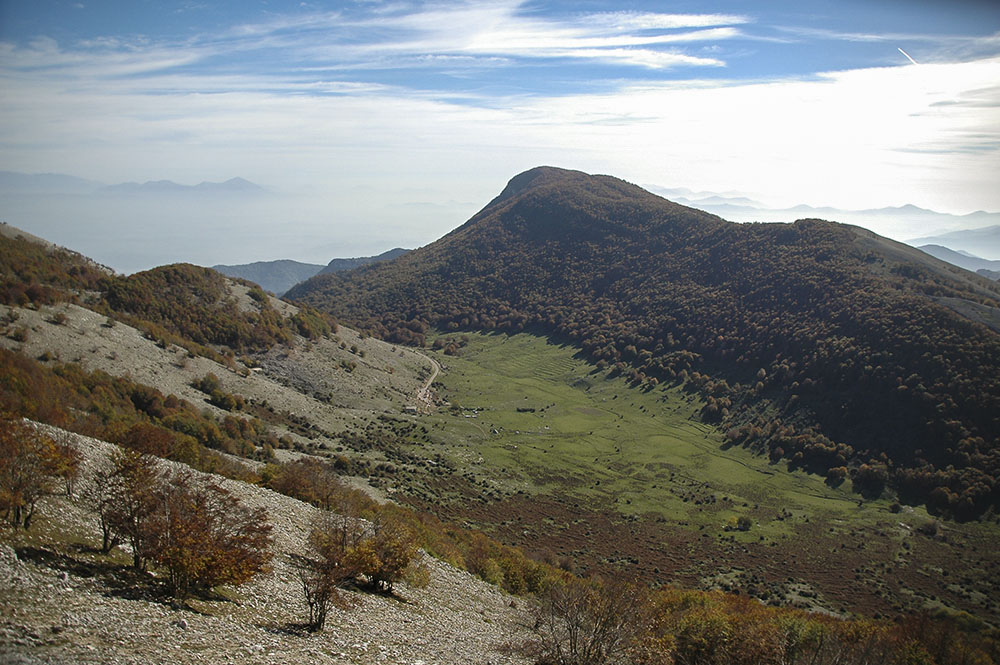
406,117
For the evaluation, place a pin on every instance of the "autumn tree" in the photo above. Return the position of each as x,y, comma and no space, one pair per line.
123,495
99,496
386,552
329,564
310,480
28,460
67,460
203,536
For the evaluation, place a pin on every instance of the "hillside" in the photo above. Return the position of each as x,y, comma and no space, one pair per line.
819,342
279,276
960,259
576,473
64,603
274,276
339,265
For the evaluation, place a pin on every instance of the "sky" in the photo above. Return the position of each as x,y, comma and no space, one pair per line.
378,124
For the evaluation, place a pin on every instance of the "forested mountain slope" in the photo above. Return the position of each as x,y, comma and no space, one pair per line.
274,276
816,341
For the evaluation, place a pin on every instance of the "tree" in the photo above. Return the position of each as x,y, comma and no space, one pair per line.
67,461
99,496
204,536
310,480
328,565
386,552
126,502
587,622
28,460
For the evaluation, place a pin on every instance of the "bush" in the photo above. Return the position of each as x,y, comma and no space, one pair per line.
587,622
28,462
386,553
204,537
328,565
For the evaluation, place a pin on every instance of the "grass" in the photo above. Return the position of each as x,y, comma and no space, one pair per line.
551,453
536,416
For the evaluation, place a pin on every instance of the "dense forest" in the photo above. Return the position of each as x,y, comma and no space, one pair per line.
844,352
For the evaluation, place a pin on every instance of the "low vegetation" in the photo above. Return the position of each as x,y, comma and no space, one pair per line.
594,622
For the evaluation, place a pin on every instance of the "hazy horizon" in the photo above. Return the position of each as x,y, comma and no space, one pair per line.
384,124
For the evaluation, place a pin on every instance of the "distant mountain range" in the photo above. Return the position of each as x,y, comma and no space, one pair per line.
281,275
900,219
980,242
56,184
960,258
48,183
231,186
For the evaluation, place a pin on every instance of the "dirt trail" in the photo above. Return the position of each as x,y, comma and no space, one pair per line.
424,395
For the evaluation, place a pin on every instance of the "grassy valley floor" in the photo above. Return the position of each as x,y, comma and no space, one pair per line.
550,453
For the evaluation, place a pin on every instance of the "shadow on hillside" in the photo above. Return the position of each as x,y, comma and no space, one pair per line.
117,580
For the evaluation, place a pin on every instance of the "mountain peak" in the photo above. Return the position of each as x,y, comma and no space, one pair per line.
548,203
536,177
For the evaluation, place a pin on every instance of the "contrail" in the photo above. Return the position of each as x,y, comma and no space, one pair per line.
907,55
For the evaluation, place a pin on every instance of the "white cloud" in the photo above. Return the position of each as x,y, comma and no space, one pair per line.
862,138
493,29
654,21
119,111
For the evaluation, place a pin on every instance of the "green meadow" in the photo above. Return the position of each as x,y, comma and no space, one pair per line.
531,415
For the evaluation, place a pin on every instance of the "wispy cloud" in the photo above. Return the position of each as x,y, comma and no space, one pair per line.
439,39
433,94
936,47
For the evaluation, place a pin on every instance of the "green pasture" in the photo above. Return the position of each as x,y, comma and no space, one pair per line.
530,415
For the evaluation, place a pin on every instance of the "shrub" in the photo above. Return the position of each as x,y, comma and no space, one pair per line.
28,460
204,536
587,622
208,384
386,553
19,334
328,565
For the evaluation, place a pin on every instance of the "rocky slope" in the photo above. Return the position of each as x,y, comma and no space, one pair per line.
63,603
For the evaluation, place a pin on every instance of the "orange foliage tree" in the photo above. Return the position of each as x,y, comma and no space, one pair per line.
204,537
29,464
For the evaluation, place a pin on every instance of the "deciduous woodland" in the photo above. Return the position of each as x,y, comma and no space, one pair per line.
814,341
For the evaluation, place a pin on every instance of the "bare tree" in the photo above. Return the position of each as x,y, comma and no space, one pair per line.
587,622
